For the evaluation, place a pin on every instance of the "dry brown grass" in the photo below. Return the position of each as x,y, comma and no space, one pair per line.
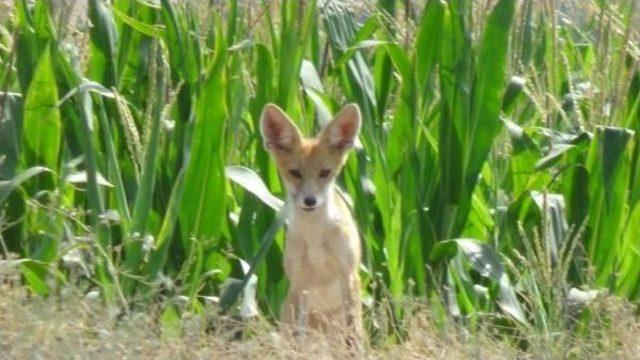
71,328
67,326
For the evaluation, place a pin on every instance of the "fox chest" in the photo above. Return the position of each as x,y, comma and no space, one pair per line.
312,253
312,265
315,254
320,258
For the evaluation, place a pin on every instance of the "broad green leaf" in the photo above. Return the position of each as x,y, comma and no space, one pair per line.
512,93
469,120
230,296
295,32
41,123
35,278
428,44
541,215
524,155
351,51
251,182
342,31
629,274
8,186
564,147
488,89
10,133
147,29
309,77
160,254
609,174
485,261
203,200
170,323
88,86
42,23
104,45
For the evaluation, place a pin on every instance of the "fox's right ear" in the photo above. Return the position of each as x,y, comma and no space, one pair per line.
279,133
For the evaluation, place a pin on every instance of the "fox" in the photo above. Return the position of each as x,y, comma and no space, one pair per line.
322,242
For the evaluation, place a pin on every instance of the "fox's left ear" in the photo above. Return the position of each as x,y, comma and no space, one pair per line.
341,133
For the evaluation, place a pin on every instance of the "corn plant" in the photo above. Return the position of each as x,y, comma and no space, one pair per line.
489,131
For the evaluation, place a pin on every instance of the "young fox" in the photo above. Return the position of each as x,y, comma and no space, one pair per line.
322,253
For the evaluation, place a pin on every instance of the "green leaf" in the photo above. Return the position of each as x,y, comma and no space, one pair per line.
42,23
218,265
230,296
629,274
443,251
484,260
342,31
6,187
471,102
563,148
488,89
428,44
203,203
609,166
34,276
147,29
163,241
309,77
351,51
170,323
513,92
541,215
104,45
41,124
10,133
251,182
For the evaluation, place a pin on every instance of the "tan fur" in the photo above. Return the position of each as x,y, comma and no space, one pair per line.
322,254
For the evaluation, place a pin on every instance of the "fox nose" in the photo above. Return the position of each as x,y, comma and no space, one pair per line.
310,201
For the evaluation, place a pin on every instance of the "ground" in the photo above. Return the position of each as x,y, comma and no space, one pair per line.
71,326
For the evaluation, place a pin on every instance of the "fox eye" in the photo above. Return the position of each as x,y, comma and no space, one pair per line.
295,173
324,173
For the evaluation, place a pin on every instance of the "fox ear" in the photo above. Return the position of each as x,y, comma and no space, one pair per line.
341,133
279,133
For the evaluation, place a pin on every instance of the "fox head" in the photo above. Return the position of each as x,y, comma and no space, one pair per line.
309,166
